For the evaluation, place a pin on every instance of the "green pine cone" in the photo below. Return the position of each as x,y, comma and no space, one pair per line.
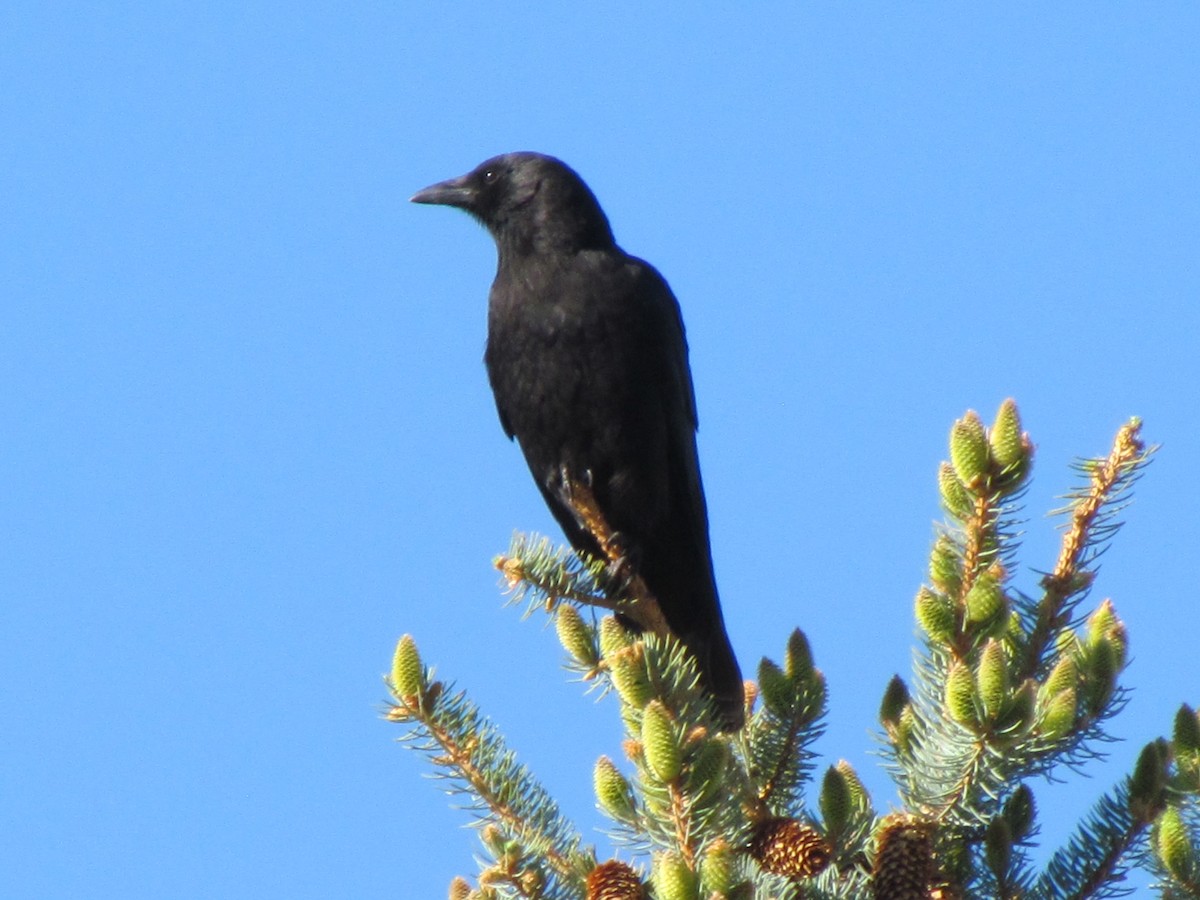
408,675
956,499
614,637
1066,643
1005,438
1102,621
779,696
1019,811
1148,783
1058,717
673,880
660,738
960,696
860,800
575,636
717,869
1119,638
935,614
1174,845
985,601
835,802
991,679
613,791
895,699
1186,744
1099,668
628,671
1065,674
1104,625
798,659
945,565
969,450
1187,730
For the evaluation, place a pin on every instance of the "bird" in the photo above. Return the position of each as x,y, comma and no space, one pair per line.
588,362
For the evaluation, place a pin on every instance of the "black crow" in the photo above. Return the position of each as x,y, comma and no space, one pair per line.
588,363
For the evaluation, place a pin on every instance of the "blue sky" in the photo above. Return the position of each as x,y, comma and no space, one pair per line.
248,439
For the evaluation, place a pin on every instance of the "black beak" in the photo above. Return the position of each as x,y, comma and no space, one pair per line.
455,192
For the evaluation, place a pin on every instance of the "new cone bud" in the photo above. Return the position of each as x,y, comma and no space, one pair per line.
1100,669
660,740
460,888
835,801
935,613
1065,674
991,679
969,449
673,880
614,637
613,791
1148,782
1058,717
1186,742
956,500
798,660
985,601
860,800
1008,449
960,696
575,636
1019,813
906,729
1103,625
628,671
895,699
1174,845
408,675
1102,621
717,869
777,692
1187,730
945,565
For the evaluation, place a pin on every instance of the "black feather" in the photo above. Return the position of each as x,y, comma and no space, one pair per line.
588,363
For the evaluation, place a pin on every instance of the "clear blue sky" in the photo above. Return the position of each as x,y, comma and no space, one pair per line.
247,439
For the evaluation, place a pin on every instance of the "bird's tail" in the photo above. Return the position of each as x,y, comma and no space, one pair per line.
722,677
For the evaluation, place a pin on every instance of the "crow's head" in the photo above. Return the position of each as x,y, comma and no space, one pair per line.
528,201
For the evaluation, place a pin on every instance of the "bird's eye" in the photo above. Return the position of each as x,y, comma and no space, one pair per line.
490,176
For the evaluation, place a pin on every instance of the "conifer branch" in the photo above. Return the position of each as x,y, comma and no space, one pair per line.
780,732
641,606
1006,686
536,571
1094,859
1092,510
503,795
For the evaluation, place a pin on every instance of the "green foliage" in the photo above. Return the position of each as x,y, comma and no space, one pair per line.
1007,688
